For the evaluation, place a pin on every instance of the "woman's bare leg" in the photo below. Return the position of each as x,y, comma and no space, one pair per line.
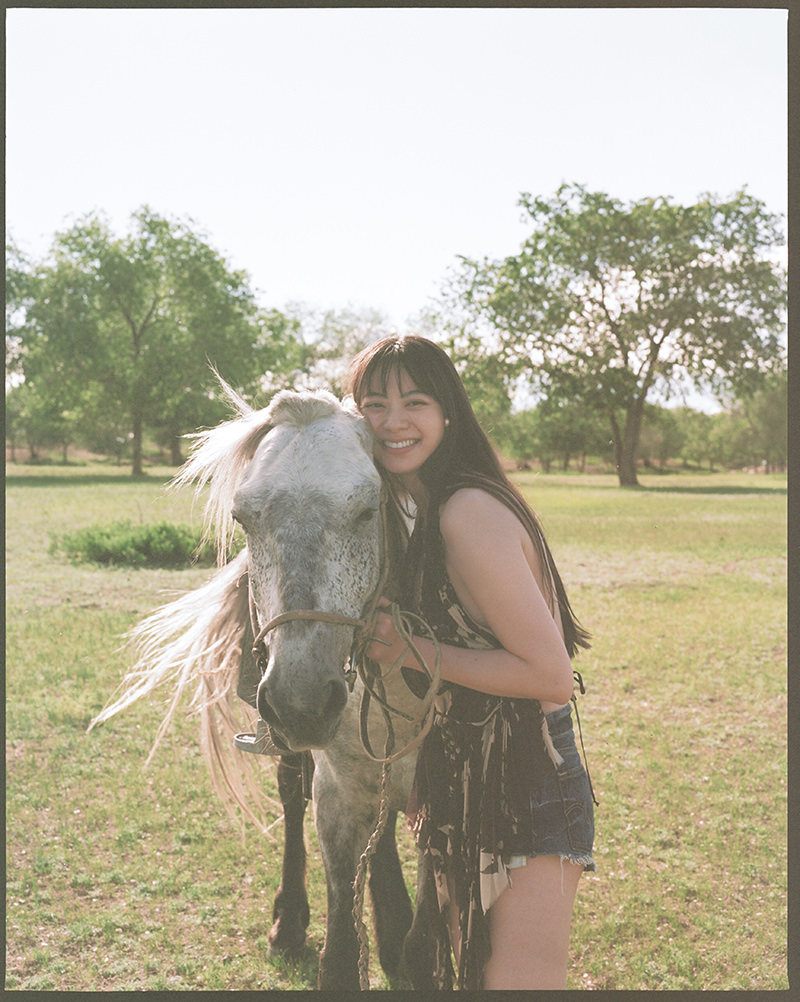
529,926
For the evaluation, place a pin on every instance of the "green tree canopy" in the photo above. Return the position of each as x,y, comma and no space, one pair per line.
138,320
607,301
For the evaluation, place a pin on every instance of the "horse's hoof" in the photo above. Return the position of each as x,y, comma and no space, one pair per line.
284,941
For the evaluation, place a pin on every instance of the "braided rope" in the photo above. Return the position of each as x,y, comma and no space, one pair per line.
360,881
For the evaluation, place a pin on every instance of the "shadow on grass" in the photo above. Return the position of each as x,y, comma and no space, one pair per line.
592,484
125,478
666,489
82,479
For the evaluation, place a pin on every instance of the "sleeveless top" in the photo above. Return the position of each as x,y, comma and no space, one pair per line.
475,772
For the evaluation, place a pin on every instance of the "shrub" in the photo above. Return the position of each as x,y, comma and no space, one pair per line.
121,544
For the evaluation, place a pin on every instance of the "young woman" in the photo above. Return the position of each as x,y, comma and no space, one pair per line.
502,806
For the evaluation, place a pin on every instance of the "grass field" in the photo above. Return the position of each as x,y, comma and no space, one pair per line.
121,877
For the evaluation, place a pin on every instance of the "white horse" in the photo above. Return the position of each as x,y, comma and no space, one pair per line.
299,478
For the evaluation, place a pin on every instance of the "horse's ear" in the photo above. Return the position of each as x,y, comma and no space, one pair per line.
349,405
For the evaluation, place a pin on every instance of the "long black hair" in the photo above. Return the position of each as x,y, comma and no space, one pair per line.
464,457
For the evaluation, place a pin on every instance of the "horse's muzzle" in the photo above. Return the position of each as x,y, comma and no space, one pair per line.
307,726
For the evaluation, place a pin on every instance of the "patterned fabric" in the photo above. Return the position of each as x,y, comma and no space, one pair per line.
475,774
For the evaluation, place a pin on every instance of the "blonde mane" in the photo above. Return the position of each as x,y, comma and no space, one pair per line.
198,637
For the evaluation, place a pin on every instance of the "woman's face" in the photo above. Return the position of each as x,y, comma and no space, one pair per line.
408,425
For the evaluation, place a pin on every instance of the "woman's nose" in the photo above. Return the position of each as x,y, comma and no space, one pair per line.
394,417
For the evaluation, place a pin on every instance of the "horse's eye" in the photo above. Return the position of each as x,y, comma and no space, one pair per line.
365,517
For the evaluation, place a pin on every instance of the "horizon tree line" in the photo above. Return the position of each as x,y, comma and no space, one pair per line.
111,339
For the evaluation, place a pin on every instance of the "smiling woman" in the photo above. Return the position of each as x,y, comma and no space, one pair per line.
499,783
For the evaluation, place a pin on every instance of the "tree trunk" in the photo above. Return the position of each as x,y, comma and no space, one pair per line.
138,427
175,448
626,465
626,444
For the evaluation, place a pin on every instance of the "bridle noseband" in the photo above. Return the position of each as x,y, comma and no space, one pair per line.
363,627
360,639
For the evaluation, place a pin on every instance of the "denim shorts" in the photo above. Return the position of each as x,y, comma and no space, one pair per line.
562,806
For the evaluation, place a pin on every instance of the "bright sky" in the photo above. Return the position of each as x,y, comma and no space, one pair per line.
347,156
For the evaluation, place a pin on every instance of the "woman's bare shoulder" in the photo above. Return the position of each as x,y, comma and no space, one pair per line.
471,510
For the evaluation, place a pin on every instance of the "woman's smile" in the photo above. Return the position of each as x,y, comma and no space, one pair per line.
400,445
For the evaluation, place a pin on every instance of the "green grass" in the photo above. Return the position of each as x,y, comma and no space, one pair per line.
121,877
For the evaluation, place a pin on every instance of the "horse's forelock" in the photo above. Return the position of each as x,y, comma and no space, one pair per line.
300,409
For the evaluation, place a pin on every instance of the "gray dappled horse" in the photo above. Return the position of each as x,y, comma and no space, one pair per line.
299,477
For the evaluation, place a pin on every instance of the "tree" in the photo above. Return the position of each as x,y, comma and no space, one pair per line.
766,412
18,291
606,301
138,319
662,435
723,439
519,440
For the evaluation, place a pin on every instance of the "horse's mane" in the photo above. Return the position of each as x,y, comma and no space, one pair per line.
198,637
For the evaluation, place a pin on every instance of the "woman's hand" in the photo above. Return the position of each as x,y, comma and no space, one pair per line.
386,645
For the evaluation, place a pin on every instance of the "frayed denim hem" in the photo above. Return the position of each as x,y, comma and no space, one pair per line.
579,859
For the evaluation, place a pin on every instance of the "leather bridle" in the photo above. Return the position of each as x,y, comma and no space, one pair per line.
359,665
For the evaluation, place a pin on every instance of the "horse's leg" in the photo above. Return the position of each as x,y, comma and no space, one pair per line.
390,901
339,835
345,815
338,962
290,912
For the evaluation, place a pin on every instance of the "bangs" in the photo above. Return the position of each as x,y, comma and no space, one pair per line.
395,357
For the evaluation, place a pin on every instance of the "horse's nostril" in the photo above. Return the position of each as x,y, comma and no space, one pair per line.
337,697
265,711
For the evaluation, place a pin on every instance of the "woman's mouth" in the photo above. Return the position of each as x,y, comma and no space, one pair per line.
405,444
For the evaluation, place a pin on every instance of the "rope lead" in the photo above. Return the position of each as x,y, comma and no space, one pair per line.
360,880
374,688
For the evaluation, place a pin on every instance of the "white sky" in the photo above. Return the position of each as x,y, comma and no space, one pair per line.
347,156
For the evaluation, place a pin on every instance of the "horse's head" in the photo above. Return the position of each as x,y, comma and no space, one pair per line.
309,503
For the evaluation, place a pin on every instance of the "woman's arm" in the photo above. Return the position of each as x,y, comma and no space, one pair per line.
491,563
